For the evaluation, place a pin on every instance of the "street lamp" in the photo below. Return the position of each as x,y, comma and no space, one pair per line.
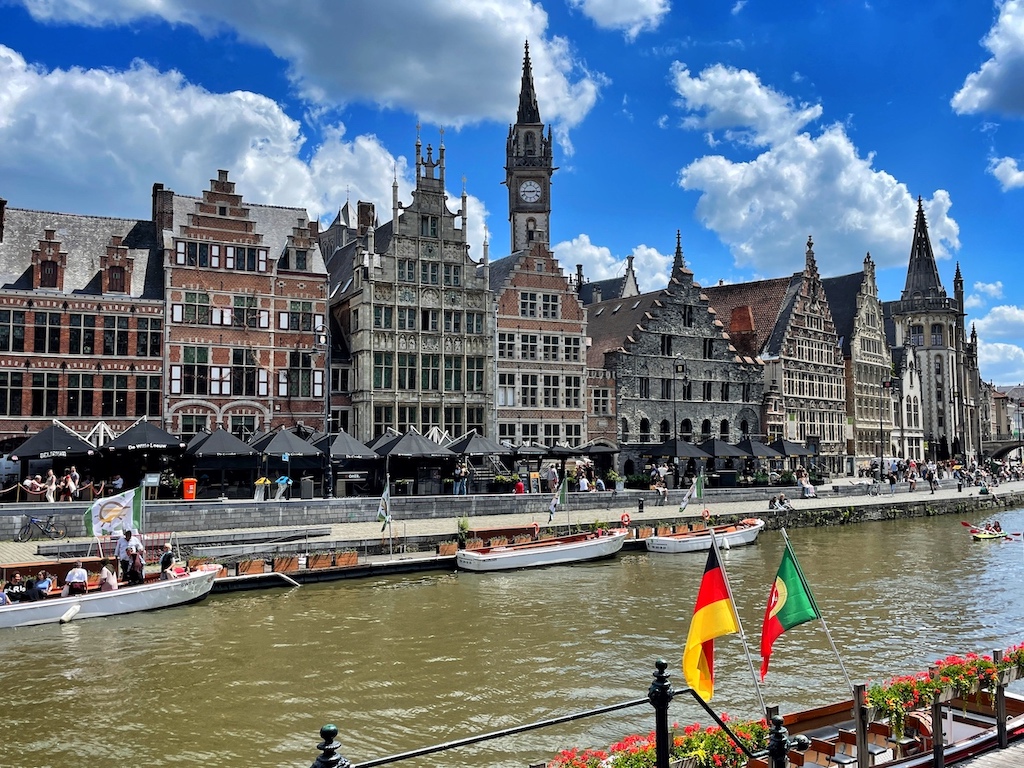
323,343
884,393
1020,447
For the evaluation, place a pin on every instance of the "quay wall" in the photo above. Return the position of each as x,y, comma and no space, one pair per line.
839,507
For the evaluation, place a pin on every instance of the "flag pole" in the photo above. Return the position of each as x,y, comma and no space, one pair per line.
821,616
732,603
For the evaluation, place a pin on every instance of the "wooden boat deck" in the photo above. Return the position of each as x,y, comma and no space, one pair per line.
1011,757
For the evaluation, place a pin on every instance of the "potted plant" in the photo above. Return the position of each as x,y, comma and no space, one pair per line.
664,529
498,541
760,479
474,543
502,484
463,530
615,480
447,548
286,563
644,531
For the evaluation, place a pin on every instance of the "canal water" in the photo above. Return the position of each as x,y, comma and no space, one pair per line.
403,662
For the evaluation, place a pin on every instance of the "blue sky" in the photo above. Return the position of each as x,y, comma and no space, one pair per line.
746,124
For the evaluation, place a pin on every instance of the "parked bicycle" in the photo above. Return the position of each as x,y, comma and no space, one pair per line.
46,527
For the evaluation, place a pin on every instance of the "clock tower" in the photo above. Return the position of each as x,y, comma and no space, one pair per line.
528,169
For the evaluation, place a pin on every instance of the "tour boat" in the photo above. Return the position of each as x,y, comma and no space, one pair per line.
728,536
555,551
187,588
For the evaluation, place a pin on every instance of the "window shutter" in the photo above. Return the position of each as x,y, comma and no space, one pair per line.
318,321
177,313
262,260
263,385
175,379
215,256
216,316
264,318
282,321
229,257
226,315
282,383
179,256
318,383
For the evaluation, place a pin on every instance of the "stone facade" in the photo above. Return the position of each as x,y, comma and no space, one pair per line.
415,313
677,372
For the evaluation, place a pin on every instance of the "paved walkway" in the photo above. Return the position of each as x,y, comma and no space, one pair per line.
13,552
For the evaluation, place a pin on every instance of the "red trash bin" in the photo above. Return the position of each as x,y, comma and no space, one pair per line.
188,488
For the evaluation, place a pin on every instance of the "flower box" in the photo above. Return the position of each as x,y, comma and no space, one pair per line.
447,548
474,543
319,560
499,541
248,567
664,530
351,557
645,532
286,564
522,538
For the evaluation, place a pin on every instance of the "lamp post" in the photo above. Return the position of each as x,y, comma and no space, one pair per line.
1020,446
883,393
324,345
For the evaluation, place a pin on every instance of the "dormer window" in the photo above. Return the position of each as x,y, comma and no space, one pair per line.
300,261
48,274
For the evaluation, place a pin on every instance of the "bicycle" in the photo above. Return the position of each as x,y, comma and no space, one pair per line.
47,527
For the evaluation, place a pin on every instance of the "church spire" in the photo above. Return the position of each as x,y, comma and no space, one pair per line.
678,264
922,273
529,112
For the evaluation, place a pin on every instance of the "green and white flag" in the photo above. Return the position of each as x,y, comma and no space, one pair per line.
384,507
115,513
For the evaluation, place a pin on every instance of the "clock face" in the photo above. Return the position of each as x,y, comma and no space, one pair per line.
530,191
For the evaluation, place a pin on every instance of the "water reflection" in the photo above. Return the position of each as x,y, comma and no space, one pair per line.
399,663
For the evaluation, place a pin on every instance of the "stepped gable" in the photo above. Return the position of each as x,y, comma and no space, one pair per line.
750,311
80,243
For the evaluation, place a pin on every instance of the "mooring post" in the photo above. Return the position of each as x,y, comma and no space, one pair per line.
329,746
1000,705
660,695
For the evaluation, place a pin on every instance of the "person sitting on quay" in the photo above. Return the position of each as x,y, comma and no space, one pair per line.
15,589
783,503
77,580
584,482
599,484
519,487
662,490
116,483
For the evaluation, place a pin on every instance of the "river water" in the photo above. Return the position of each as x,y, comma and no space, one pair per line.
403,662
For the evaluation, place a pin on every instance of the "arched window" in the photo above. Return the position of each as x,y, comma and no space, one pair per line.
705,430
665,429
530,143
687,430
531,230
938,336
645,431
744,428
624,431
917,413
723,430
909,420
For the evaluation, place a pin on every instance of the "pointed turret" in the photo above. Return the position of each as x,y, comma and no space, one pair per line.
810,264
529,112
678,264
922,273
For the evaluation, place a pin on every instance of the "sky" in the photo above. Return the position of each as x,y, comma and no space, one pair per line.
746,125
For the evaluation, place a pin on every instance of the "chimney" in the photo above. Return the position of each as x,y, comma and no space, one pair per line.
314,228
579,277
3,214
596,296
163,208
364,217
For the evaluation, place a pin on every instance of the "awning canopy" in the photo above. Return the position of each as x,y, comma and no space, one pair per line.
54,442
722,450
144,435
472,444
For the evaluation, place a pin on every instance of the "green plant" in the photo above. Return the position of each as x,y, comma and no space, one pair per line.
463,530
504,479
786,477
613,476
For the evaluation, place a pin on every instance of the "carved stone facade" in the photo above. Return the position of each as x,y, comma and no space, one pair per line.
415,313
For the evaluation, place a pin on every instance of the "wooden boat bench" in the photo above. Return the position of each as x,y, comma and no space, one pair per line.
848,740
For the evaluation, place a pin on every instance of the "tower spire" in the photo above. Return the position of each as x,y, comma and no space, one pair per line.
678,264
922,273
529,112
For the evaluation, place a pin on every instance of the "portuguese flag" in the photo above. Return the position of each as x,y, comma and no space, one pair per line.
713,616
790,603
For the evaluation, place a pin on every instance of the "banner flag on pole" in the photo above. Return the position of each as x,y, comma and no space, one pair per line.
713,616
561,496
687,496
115,513
384,507
790,604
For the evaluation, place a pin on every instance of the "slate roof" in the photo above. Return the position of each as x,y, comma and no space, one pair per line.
610,289
841,293
501,269
339,263
765,299
922,272
85,240
609,323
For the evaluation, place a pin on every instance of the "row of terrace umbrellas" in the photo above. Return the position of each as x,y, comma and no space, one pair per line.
719,449
58,441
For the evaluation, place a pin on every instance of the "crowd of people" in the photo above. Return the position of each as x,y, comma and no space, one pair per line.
67,487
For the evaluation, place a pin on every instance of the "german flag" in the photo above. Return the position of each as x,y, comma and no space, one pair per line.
713,616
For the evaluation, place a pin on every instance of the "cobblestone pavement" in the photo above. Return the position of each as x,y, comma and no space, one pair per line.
13,552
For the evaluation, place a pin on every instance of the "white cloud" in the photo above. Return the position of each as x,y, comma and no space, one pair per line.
800,184
651,267
356,52
120,132
1005,169
1000,363
737,7
631,17
1005,321
996,86
992,290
